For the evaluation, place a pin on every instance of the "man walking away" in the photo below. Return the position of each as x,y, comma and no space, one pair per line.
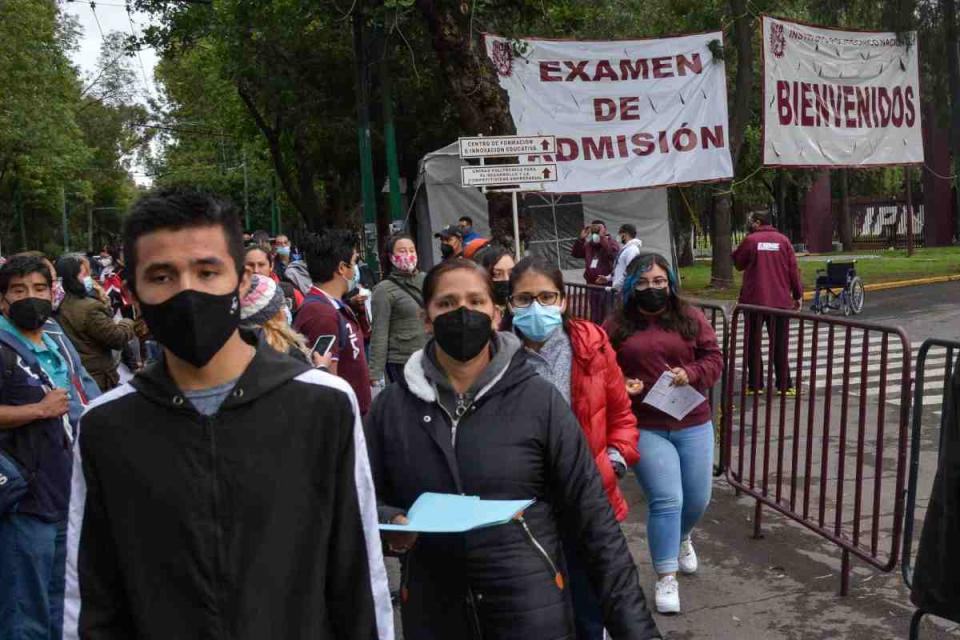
42,393
631,249
225,491
771,278
332,260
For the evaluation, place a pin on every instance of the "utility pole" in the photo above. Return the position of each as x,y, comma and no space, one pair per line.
907,171
390,137
274,209
367,192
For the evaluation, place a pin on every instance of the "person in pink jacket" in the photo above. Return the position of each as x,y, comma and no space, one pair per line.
771,278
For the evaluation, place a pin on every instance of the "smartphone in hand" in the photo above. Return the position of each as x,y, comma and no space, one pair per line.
323,344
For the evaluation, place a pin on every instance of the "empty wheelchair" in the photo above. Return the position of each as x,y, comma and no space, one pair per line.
839,288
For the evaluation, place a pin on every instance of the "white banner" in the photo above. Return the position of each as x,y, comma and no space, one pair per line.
626,114
835,98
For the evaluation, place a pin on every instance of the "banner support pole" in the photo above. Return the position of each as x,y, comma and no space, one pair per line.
908,171
516,226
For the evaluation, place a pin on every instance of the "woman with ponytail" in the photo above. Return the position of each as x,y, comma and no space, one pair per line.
655,331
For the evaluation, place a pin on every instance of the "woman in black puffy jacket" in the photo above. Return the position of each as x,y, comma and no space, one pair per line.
470,416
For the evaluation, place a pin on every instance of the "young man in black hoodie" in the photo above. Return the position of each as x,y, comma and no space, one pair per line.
225,491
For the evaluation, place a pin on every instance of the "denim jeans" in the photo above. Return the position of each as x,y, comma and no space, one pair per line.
676,474
32,566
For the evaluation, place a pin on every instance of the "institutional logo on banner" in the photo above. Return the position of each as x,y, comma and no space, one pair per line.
626,114
835,98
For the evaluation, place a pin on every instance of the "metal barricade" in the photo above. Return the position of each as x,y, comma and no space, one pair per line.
921,399
719,318
783,448
589,302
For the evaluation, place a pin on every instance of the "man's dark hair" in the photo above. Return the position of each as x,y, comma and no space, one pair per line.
599,222
325,251
760,217
175,209
22,266
466,219
629,229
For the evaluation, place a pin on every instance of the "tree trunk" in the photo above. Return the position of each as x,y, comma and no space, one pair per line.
721,276
471,78
948,10
846,224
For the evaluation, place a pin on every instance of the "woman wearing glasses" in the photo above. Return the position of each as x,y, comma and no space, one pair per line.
576,357
471,416
655,331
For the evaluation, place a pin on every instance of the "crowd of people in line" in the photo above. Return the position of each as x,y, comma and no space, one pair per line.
253,410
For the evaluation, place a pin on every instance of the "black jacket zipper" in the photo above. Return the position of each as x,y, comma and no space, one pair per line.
218,564
557,576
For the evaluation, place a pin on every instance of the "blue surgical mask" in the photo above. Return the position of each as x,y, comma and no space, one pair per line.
88,283
283,251
595,238
354,280
537,322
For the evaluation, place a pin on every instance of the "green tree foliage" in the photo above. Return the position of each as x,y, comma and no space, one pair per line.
63,139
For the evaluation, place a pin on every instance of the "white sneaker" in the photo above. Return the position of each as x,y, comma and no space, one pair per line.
688,557
668,595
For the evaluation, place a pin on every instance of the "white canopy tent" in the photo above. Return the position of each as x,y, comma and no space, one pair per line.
557,219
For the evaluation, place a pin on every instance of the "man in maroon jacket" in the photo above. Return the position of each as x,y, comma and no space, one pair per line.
771,279
599,251
332,262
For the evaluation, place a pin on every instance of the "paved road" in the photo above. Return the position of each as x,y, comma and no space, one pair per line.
924,312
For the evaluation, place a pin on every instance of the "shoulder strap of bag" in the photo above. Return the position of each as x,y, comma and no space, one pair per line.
343,336
407,289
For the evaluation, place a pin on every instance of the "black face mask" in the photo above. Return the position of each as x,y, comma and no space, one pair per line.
446,251
501,291
29,314
651,300
192,324
463,333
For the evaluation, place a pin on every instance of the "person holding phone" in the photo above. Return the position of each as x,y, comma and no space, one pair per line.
332,260
599,252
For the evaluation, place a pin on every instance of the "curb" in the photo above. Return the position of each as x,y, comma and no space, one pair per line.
897,284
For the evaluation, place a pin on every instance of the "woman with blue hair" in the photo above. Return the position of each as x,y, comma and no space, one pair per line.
655,331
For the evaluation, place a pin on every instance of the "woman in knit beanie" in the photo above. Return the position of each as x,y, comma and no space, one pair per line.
263,308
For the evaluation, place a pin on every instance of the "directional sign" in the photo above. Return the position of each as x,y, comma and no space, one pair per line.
502,146
504,174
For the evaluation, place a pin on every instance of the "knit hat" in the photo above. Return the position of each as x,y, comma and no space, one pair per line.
261,302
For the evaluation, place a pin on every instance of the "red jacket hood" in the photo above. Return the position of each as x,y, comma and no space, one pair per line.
586,338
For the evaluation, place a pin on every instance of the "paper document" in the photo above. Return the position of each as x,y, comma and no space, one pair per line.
676,401
452,513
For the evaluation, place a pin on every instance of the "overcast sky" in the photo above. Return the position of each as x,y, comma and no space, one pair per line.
113,16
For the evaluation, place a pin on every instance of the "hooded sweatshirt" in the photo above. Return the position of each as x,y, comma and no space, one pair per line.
258,521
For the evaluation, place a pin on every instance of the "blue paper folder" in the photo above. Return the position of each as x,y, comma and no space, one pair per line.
452,513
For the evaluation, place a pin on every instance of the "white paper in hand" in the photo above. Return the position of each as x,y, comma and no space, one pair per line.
675,401
452,513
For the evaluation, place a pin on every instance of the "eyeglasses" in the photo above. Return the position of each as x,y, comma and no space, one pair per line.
545,298
657,283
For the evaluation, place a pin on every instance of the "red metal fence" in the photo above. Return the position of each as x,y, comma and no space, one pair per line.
797,454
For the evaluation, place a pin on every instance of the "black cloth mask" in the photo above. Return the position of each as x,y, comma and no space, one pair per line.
446,251
501,291
194,325
463,333
651,300
29,314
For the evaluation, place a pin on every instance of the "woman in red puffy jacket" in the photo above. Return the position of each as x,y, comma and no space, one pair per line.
577,358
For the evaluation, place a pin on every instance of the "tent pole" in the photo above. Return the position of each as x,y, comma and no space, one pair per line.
516,226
